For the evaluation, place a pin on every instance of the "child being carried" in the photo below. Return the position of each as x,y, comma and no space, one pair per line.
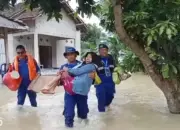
76,80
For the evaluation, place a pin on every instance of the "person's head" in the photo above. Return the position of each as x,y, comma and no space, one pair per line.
70,54
21,51
91,57
103,50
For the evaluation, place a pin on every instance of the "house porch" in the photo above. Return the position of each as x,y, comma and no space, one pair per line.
47,50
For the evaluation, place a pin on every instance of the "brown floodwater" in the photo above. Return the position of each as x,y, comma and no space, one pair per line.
138,105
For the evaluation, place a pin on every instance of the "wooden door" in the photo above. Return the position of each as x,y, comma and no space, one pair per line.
46,56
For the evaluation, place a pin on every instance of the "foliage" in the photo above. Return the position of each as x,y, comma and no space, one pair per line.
131,63
115,46
92,38
117,49
155,26
53,7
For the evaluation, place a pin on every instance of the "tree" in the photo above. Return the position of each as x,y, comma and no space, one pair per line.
92,38
131,63
148,27
115,46
123,56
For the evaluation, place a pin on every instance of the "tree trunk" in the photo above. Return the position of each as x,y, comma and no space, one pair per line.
173,101
169,88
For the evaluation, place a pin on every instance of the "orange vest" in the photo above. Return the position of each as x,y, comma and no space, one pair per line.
31,66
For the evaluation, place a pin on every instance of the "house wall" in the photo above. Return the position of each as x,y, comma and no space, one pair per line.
10,47
2,52
64,28
28,42
60,49
78,43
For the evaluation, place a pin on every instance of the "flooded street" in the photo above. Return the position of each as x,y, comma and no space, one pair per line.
138,105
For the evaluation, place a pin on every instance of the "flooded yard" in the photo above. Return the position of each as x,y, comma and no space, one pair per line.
138,105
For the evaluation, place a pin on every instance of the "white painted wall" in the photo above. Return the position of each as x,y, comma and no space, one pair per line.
27,41
11,42
65,27
60,49
2,52
78,43
29,45
54,56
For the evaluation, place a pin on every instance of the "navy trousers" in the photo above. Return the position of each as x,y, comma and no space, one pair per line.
105,95
22,92
69,108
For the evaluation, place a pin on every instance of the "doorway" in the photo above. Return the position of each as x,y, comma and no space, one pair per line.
45,56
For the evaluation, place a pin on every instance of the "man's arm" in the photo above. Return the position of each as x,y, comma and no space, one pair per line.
62,66
82,70
113,60
113,65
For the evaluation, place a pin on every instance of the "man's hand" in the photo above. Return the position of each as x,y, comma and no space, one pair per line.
65,68
92,75
58,73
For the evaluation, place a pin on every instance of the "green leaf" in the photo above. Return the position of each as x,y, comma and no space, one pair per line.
49,16
174,30
174,69
168,31
161,30
155,38
165,71
169,36
149,40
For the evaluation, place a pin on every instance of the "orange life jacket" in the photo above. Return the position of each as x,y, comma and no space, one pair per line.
31,66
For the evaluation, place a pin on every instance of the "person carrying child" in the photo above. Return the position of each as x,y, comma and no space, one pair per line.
77,99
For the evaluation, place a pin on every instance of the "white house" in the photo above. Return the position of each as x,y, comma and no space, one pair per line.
45,40
2,52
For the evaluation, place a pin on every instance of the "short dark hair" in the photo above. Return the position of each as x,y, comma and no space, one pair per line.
20,47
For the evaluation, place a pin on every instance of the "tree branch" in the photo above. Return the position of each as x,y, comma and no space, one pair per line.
136,48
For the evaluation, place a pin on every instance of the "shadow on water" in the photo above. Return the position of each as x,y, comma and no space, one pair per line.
138,105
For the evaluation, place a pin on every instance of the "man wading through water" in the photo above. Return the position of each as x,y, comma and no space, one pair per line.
105,91
71,100
28,69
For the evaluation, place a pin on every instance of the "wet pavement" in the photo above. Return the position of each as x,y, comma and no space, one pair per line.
138,105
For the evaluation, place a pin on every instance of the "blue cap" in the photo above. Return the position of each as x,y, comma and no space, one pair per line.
103,46
70,50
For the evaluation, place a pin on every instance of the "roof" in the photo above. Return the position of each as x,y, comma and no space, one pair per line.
11,25
19,12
